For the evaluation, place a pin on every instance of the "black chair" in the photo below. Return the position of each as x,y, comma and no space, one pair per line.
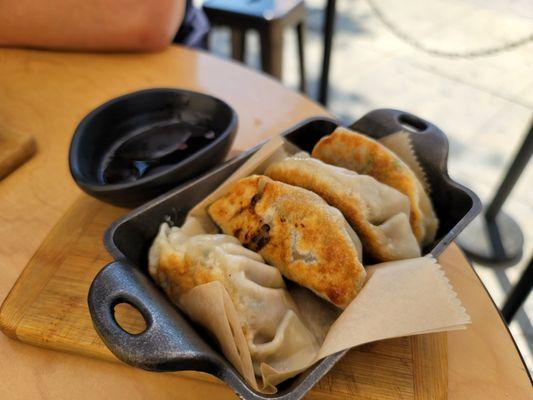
269,18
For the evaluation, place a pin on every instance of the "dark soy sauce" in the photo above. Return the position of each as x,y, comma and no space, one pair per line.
154,148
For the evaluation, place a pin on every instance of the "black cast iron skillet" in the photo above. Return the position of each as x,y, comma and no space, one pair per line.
171,342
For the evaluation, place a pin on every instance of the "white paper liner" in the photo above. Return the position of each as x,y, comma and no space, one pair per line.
400,298
400,143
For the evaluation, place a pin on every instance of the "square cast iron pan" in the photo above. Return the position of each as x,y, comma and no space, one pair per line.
171,342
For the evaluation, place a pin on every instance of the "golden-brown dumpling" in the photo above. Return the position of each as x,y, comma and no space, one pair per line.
182,258
378,213
296,231
364,155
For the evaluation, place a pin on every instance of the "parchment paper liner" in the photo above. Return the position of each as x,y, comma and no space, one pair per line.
400,298
400,143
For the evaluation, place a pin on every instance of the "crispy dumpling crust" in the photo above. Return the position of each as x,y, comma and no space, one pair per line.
365,155
181,259
378,213
297,232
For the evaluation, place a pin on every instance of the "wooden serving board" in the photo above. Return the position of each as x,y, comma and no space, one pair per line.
47,307
15,149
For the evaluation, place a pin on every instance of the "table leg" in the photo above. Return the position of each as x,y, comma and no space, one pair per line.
515,170
329,26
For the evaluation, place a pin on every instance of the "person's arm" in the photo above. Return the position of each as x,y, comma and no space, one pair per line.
108,25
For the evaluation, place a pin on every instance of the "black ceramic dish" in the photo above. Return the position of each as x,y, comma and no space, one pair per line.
137,146
170,341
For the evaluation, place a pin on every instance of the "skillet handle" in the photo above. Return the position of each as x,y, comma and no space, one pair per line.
169,343
385,121
429,143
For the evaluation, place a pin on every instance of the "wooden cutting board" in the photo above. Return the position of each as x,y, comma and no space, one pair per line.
15,149
47,307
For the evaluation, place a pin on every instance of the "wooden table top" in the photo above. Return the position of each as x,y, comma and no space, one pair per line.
47,93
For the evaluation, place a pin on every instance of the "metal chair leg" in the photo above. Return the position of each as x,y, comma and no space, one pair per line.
518,294
238,44
329,26
272,50
300,31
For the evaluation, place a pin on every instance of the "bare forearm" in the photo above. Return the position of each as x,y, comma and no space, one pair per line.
135,25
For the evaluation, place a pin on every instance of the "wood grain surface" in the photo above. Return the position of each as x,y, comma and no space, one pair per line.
15,149
56,316
47,93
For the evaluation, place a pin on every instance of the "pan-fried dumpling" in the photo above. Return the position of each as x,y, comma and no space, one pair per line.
364,155
378,213
296,231
183,258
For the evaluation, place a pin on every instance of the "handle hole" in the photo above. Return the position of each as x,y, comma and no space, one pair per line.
412,123
129,318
